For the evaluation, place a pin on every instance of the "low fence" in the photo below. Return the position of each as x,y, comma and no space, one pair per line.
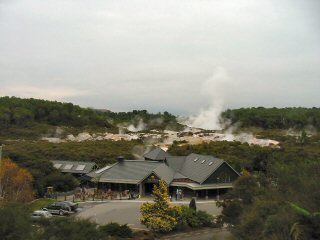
92,194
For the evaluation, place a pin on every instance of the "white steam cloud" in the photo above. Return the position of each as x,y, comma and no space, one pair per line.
140,126
214,89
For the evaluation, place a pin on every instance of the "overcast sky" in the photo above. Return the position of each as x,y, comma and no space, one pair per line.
162,55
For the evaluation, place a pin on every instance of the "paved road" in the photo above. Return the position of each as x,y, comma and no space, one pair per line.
127,212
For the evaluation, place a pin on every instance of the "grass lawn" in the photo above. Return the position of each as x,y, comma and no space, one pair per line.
40,203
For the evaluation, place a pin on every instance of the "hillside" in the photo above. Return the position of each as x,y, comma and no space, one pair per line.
33,118
274,118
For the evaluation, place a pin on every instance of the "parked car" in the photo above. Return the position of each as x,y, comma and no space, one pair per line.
59,208
73,206
39,214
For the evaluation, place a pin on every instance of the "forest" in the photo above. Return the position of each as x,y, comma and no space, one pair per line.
274,118
31,118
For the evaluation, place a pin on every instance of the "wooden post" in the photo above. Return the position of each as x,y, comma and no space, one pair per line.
65,197
73,198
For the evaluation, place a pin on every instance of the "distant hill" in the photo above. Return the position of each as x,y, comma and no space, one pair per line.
30,117
274,118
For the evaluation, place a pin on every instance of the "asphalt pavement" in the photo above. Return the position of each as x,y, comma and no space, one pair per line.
128,212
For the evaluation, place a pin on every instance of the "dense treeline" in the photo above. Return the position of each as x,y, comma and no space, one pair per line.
21,112
277,196
31,118
274,118
100,152
159,120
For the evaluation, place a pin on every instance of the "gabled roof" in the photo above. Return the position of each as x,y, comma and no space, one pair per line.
176,162
178,175
73,166
156,154
165,173
194,167
129,171
199,167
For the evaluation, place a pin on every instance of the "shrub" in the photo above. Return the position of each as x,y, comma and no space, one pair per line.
69,229
195,219
115,229
189,216
15,223
192,204
205,218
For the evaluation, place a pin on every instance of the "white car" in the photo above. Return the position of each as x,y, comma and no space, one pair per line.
40,214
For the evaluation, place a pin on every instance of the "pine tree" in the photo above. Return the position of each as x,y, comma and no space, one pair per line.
160,216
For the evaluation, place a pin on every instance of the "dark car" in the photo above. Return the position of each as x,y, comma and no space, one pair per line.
73,206
59,208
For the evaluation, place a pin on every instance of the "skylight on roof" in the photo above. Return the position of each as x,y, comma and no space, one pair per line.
80,167
68,166
210,163
195,159
103,169
57,165
203,161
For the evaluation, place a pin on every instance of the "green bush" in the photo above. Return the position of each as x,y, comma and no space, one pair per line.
115,229
194,219
69,229
15,223
205,218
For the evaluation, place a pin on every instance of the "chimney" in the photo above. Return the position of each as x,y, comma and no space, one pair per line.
120,159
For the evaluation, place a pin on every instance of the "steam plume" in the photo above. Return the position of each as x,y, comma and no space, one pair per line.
214,89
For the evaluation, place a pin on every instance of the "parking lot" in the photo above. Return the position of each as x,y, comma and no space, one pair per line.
127,212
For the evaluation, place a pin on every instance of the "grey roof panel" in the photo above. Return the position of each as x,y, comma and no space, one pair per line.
165,173
178,175
200,170
176,162
129,170
156,154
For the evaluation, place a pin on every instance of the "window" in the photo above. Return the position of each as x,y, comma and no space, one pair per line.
80,167
210,163
68,166
195,159
57,165
203,161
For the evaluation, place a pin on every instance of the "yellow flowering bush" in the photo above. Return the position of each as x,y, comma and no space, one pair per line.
160,216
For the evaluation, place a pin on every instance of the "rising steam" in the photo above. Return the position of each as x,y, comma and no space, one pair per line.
214,89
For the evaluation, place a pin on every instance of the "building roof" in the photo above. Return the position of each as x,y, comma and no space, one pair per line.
164,172
156,154
199,167
194,167
134,171
176,162
73,166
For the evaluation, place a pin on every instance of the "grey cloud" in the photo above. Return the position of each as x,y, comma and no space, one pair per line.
157,54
